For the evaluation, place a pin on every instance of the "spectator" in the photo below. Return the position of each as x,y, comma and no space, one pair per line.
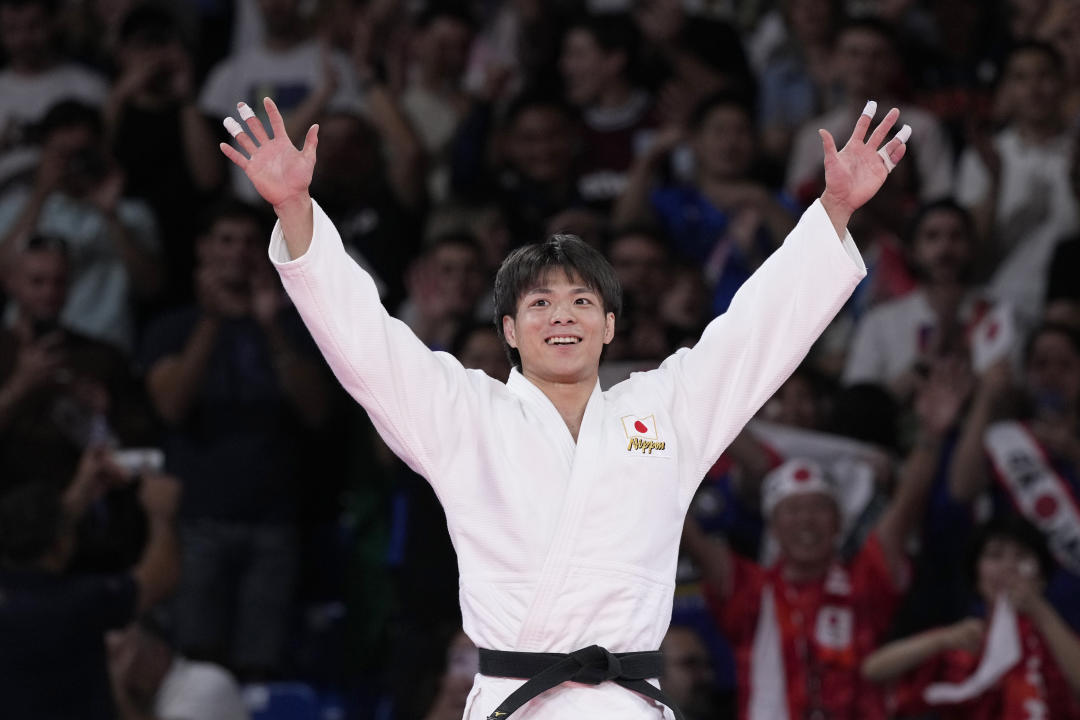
797,76
151,680
78,196
152,122
53,623
726,219
434,98
867,64
1033,451
305,78
462,664
478,347
35,79
535,175
60,390
235,382
445,286
1030,659
895,340
1017,184
688,677
800,627
599,69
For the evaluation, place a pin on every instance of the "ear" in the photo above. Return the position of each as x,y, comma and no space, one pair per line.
609,328
510,331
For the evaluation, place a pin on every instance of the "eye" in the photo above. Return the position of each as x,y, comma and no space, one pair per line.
540,303
583,301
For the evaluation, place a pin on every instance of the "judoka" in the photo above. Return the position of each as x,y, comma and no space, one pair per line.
565,503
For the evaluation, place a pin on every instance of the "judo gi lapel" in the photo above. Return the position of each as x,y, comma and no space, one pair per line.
585,464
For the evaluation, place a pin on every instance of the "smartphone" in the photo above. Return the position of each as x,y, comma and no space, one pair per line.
140,460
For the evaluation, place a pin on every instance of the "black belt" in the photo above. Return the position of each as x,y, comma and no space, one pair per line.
592,666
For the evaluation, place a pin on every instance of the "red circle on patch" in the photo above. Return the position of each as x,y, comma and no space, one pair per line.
1046,506
640,426
992,330
801,475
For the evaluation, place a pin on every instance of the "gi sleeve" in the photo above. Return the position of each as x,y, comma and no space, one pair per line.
417,399
745,354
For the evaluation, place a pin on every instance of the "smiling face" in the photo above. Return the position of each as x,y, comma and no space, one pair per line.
560,328
806,527
1002,563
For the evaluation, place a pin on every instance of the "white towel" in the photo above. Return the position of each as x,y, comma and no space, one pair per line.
1001,654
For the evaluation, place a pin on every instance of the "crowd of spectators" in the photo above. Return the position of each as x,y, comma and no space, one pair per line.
190,504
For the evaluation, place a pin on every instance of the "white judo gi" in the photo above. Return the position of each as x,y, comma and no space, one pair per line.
563,545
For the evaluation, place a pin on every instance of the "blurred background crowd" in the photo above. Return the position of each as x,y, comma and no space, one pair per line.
195,520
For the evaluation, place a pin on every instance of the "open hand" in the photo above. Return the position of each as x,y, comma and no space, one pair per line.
855,174
279,172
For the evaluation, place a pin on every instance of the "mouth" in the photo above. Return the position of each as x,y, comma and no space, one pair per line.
562,340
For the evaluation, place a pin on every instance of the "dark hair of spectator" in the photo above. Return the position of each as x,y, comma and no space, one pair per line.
451,238
40,242
866,412
68,114
148,25
613,33
940,205
1036,46
445,9
31,517
233,209
645,228
538,97
528,265
1015,528
1051,329
722,99
872,24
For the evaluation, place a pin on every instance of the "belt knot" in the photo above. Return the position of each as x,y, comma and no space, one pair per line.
597,665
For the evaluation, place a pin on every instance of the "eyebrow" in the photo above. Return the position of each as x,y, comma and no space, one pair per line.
576,291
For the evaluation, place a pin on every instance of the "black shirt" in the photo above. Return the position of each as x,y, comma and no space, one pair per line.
52,643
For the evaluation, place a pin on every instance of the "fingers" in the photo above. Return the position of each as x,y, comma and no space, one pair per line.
277,123
878,136
828,142
863,123
237,131
892,152
234,155
255,127
311,141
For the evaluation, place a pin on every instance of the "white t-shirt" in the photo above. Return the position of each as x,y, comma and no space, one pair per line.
1034,186
287,76
199,691
98,301
889,338
24,100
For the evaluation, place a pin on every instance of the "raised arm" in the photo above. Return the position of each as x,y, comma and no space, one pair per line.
745,354
407,390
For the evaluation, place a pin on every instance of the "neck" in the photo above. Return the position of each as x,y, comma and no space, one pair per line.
945,298
803,572
616,94
1038,131
569,398
282,41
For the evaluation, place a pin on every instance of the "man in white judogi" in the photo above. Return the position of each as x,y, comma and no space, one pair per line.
565,503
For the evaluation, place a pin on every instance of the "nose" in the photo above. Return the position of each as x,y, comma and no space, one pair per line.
562,313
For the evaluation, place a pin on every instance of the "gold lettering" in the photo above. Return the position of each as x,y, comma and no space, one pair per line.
645,446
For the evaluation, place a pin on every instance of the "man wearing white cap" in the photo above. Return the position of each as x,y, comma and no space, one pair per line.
800,627
565,502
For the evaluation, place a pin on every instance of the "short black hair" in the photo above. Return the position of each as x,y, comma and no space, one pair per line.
449,9
49,6
464,334
68,114
946,204
31,517
539,96
529,264
724,98
451,238
149,24
1014,527
235,209
1035,46
873,24
613,32
1051,328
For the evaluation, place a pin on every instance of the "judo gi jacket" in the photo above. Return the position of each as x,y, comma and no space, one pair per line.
560,544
